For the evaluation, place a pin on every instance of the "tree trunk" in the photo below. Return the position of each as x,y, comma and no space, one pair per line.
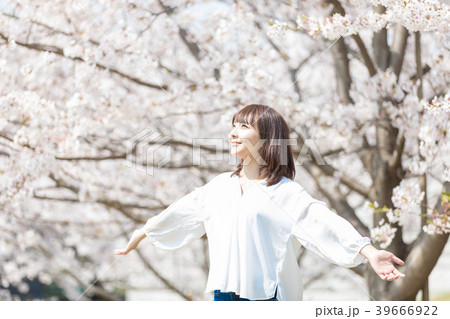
421,258
398,49
341,62
384,182
379,44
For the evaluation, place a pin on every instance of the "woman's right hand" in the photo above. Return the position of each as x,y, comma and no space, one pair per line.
135,239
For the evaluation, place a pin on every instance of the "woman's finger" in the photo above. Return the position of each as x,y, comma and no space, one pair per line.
394,275
398,273
398,260
386,276
391,277
119,252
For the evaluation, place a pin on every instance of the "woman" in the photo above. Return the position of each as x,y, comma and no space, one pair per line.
257,218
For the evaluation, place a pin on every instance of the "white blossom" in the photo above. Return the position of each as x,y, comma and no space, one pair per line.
407,196
276,30
68,107
383,234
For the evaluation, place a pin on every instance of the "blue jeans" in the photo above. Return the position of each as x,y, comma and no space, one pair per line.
231,296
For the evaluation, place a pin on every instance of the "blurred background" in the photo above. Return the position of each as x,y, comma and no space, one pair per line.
112,110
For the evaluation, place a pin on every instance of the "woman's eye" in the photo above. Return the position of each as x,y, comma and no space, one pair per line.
244,125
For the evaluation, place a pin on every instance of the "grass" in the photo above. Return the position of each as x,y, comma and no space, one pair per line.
443,296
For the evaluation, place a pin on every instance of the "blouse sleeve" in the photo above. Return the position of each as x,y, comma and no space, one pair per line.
328,235
179,224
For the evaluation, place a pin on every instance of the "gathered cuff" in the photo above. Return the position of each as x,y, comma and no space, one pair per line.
360,244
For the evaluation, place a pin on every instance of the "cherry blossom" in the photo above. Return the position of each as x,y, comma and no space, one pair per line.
80,78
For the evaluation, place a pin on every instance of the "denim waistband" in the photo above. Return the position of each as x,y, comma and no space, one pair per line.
231,296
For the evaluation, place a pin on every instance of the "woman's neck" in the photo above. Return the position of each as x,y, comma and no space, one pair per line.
250,171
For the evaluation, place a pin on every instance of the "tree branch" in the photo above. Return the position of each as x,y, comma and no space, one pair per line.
92,158
92,290
337,200
365,54
328,170
421,260
396,158
161,277
380,45
342,71
338,8
192,46
398,49
60,52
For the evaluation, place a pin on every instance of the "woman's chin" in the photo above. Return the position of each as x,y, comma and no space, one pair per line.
237,154
241,156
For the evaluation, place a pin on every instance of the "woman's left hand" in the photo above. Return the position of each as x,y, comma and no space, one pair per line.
136,238
382,263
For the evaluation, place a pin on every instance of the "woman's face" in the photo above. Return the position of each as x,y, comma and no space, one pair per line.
247,137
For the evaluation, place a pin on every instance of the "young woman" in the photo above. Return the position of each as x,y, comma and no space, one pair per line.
256,219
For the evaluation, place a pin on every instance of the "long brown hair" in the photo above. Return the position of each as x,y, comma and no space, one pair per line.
272,128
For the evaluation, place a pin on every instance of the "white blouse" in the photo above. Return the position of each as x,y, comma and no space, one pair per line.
254,238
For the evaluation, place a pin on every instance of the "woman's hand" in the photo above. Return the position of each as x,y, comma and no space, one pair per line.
382,262
135,239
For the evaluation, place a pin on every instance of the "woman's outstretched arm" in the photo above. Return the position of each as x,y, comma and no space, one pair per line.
333,238
382,262
176,226
135,239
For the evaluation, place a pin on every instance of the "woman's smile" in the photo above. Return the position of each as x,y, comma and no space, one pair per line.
240,133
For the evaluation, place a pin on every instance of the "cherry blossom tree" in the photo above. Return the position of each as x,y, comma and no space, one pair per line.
366,81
